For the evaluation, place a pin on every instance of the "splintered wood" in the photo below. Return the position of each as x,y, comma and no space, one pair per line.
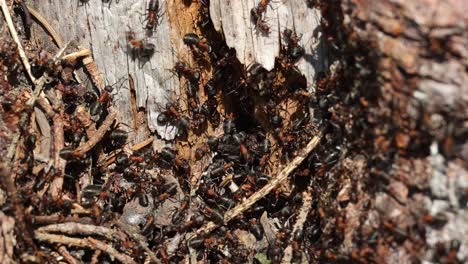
233,19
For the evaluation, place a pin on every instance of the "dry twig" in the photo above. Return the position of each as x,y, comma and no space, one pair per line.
45,131
110,250
283,175
88,242
67,256
14,35
88,145
95,258
42,21
48,110
96,77
59,162
106,160
85,119
53,219
78,54
300,220
72,228
7,238
142,144
8,183
61,239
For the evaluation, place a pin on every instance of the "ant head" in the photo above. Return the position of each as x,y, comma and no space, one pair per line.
110,87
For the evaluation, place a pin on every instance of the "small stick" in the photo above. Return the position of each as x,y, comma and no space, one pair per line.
44,128
27,19
14,35
48,110
95,258
142,144
93,72
110,250
67,256
109,159
55,102
72,228
75,55
301,218
55,36
71,241
137,237
283,175
88,242
88,145
7,181
53,219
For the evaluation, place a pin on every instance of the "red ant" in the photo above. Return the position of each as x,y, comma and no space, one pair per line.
256,16
139,49
263,27
104,99
153,15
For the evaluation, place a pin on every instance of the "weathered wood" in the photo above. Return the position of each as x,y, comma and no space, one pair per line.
102,28
234,20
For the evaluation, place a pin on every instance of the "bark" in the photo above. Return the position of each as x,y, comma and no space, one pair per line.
409,60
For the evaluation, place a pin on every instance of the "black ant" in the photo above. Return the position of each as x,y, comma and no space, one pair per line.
293,50
182,69
192,39
172,116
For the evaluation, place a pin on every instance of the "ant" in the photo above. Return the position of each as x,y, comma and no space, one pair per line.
258,11
256,15
184,70
204,14
153,15
293,49
262,6
192,39
139,49
213,214
174,117
170,157
104,98
263,27
168,190
179,214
